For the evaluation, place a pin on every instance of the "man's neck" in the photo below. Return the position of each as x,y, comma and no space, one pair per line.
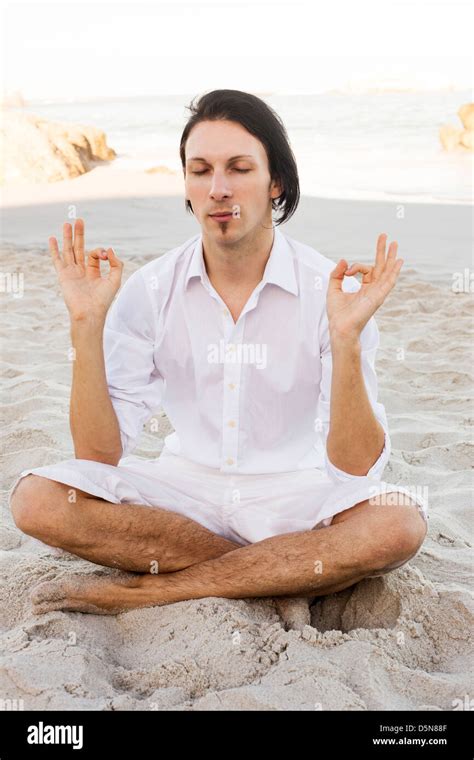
238,267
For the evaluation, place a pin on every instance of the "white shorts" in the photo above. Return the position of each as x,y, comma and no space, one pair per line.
242,508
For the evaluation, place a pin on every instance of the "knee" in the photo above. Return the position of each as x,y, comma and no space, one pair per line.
31,504
402,530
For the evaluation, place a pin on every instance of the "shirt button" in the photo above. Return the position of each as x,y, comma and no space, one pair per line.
231,423
229,460
231,386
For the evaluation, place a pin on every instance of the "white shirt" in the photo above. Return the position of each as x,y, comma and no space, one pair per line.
245,397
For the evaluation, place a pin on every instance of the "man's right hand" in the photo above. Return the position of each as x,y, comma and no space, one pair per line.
86,293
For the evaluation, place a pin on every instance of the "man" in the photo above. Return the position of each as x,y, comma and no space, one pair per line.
262,354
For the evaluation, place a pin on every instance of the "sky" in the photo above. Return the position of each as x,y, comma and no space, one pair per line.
71,50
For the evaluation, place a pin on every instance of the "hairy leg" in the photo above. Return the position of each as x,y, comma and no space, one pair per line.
206,545
130,537
309,563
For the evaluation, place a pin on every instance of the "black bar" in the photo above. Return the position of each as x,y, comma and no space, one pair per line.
152,733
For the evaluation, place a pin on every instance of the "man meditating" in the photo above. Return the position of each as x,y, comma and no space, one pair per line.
262,354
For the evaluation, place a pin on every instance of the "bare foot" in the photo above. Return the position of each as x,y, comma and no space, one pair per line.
107,594
294,611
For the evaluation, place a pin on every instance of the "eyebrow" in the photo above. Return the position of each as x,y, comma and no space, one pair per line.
234,158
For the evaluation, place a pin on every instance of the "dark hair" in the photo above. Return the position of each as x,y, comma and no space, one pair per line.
262,122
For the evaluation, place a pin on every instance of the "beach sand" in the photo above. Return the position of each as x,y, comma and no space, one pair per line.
401,641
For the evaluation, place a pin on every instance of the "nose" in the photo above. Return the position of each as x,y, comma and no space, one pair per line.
219,188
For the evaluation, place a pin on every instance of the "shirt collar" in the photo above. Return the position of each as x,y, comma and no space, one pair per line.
279,269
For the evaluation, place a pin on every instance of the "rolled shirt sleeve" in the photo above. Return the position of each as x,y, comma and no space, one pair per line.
369,340
134,382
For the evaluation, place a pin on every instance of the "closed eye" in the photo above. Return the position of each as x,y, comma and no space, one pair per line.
241,171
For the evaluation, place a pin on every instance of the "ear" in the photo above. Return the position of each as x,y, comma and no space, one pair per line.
276,188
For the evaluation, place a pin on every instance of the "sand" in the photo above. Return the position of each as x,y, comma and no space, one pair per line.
401,641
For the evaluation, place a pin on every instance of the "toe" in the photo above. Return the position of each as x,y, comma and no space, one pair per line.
46,591
42,608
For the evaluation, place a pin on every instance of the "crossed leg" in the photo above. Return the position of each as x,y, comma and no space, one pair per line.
195,563
129,537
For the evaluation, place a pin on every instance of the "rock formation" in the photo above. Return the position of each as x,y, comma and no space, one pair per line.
453,138
33,149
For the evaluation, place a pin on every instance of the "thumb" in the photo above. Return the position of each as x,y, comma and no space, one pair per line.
114,261
116,266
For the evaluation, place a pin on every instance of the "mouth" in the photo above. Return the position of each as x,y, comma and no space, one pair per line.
222,216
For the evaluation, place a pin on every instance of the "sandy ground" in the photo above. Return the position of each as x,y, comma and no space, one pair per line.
397,642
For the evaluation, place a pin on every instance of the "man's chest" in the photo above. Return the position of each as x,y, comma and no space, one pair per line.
235,307
235,301
268,344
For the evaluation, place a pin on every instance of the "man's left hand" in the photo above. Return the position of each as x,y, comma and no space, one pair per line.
348,313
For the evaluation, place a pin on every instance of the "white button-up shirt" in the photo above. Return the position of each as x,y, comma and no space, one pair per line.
245,397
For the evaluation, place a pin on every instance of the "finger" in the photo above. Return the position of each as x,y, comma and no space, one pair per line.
55,255
392,251
365,269
389,278
78,245
391,258
397,265
95,257
116,267
380,256
337,275
67,244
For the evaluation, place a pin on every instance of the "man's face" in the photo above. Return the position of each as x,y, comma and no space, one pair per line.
227,171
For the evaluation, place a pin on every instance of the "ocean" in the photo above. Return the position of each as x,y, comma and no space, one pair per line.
376,146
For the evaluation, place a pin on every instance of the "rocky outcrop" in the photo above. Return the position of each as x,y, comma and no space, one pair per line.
33,149
454,138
